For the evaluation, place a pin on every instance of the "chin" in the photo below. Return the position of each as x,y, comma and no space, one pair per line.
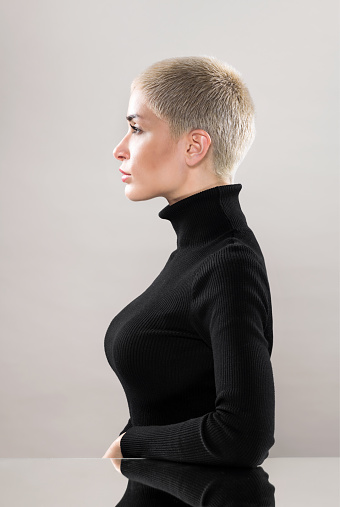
138,194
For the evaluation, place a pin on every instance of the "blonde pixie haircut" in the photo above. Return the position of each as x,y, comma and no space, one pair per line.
202,92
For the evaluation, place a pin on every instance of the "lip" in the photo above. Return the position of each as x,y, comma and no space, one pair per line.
123,172
126,176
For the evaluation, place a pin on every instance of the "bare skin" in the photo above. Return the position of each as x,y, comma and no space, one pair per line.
160,167
114,452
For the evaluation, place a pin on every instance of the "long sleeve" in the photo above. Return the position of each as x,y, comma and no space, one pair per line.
127,426
231,313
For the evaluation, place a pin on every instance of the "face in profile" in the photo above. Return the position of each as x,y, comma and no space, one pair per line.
148,154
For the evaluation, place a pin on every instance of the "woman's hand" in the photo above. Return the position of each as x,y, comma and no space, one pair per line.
114,452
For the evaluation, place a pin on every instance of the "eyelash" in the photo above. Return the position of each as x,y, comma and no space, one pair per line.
135,129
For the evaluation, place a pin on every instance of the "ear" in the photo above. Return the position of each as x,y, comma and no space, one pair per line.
197,145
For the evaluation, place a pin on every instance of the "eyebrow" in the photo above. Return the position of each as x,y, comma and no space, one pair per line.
131,116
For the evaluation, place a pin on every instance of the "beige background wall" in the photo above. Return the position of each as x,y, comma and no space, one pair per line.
75,250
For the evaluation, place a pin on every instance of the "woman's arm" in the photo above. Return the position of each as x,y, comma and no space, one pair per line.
230,311
128,425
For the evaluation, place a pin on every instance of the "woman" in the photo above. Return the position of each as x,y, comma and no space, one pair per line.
193,350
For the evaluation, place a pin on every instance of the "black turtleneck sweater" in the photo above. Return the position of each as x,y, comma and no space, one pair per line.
192,352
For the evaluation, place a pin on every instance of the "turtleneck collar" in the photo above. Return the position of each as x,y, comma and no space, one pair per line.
206,215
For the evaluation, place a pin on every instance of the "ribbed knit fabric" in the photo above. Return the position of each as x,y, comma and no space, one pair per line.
192,352
195,485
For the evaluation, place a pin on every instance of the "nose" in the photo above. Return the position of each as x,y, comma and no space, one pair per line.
120,153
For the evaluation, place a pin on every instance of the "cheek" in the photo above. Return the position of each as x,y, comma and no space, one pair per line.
152,154
145,156
148,153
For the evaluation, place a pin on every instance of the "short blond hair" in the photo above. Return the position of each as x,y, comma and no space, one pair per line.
202,92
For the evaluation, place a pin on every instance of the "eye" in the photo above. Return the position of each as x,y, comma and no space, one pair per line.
135,129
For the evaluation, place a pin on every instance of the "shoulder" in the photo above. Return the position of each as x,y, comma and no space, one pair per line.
232,257
233,271
230,284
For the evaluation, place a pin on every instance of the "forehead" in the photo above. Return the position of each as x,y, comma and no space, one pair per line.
138,109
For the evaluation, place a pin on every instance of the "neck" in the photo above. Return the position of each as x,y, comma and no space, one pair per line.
204,216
